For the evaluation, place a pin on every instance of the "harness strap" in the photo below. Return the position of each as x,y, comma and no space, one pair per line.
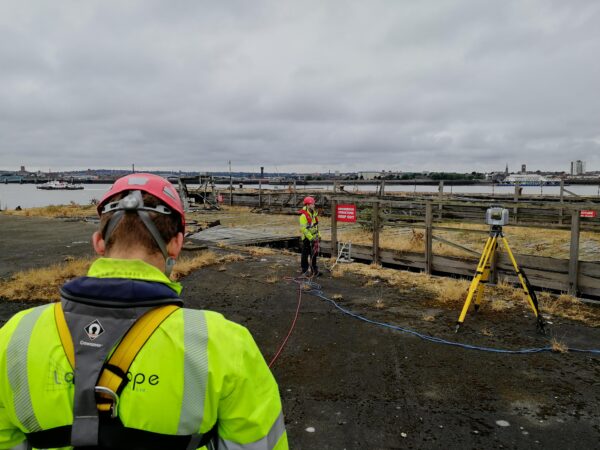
114,372
64,333
114,435
309,218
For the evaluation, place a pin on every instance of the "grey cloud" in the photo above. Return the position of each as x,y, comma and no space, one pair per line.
454,85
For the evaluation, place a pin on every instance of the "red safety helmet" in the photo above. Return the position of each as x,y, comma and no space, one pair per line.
153,185
309,201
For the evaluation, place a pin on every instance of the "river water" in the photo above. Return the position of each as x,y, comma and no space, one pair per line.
27,196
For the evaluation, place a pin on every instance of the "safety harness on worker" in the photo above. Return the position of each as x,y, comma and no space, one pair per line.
101,338
312,220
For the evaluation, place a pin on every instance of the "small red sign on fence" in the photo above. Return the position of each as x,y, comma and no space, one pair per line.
345,213
587,213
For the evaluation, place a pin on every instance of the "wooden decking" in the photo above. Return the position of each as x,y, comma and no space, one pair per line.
241,236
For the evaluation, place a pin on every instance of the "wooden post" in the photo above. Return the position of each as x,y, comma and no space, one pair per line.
562,200
428,237
260,193
382,188
375,219
516,200
493,279
333,228
230,186
295,195
574,253
441,197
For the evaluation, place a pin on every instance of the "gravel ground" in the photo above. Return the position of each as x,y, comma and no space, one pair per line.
347,384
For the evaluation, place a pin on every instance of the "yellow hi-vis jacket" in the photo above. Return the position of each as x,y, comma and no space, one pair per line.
197,370
309,224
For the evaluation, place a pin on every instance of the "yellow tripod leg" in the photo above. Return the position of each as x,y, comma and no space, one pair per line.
486,275
532,304
530,293
476,279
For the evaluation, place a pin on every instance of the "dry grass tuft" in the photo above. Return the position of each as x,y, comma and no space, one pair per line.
379,304
499,305
504,286
271,279
251,250
569,307
451,291
558,346
53,211
487,332
417,238
371,282
231,257
428,318
42,284
558,305
337,297
338,271
186,265
222,268
260,251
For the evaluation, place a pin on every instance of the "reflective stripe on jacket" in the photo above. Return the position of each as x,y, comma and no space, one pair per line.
309,224
196,370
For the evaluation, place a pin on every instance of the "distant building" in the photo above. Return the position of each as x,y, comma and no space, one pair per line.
495,177
577,167
369,175
523,168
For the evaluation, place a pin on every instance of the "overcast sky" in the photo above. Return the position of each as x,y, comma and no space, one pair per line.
300,85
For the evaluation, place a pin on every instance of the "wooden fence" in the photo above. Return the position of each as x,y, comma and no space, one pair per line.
525,211
566,275
424,211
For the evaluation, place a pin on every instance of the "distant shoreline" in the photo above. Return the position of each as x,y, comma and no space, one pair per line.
256,181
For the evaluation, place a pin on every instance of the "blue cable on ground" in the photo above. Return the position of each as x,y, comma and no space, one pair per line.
315,290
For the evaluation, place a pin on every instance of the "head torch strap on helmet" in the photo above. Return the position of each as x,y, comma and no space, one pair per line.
153,231
112,224
134,202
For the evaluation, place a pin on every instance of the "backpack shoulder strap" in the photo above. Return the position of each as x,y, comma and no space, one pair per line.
64,333
114,372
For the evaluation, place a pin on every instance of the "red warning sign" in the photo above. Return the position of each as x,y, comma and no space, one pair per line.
345,213
587,213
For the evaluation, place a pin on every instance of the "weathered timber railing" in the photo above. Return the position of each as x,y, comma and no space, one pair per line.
423,211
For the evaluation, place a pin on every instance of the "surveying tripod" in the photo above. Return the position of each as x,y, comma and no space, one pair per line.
483,273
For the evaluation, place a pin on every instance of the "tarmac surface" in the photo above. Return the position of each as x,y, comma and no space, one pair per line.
348,384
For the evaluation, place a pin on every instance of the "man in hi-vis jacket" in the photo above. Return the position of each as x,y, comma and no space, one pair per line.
118,363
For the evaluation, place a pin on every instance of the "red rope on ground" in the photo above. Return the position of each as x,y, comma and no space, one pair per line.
281,347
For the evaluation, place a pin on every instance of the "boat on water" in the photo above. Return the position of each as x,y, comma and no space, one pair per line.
59,185
529,180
